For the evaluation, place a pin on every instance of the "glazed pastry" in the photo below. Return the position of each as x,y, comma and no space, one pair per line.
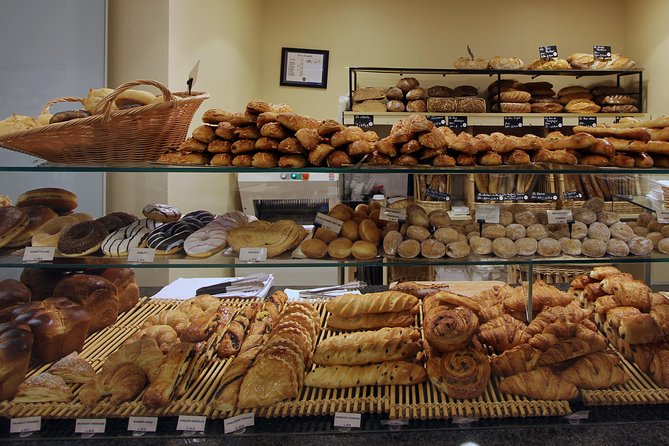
82,239
119,242
541,384
73,369
43,388
461,374
234,336
161,212
595,371
447,329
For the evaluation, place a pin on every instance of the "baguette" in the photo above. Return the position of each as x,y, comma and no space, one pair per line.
639,133
372,320
355,304
623,145
368,347
386,373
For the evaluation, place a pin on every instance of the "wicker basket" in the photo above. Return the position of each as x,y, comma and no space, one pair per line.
549,274
134,135
428,189
524,183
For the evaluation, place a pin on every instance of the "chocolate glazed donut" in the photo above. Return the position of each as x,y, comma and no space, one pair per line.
82,239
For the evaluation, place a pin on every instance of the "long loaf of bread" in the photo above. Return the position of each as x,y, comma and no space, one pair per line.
372,321
386,373
385,302
369,347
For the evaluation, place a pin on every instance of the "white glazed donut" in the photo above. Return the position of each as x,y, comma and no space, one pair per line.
119,242
207,241
161,212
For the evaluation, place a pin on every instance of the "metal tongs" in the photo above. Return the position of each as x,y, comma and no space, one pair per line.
254,282
329,292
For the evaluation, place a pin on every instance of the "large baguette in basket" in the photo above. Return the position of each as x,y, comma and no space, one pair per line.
349,305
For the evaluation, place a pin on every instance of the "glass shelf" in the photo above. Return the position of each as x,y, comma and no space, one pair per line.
284,261
540,168
641,201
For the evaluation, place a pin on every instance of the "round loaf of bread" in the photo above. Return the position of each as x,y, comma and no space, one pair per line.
314,248
341,212
458,250
663,246
340,248
579,230
526,246
418,233
504,247
655,238
599,231
570,246
515,231
644,219
432,249
537,231
585,215
655,226
391,241
480,245
617,248
493,231
408,249
395,94
665,231
640,246
640,231
594,204
505,218
446,235
439,218
525,218
607,217
549,247
593,248
363,250
622,231
407,83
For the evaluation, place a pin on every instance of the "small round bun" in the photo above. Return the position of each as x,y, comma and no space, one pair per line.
549,247
446,235
314,248
480,245
504,247
369,232
622,231
350,230
458,250
432,249
616,247
593,248
340,248
640,246
363,250
663,246
526,246
418,233
587,216
326,235
408,249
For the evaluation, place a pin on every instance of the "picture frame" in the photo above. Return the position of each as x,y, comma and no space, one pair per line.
302,67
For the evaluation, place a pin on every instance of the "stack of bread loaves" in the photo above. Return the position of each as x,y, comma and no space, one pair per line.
509,96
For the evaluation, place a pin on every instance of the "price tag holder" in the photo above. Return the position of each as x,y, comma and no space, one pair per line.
388,214
464,420
347,420
327,222
662,216
548,52
234,424
516,196
191,423
553,122
438,121
458,122
141,255
487,213
395,423
587,121
576,417
543,196
572,195
363,121
437,195
34,254
559,217
513,122
142,424
602,52
90,426
25,425
252,254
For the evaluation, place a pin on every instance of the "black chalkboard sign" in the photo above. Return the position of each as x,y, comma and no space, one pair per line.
602,52
548,52
438,121
572,195
513,122
363,121
438,196
516,196
588,121
543,196
457,122
553,122
481,196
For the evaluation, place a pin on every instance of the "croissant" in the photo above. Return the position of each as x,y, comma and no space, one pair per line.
234,336
642,354
521,358
633,294
385,302
573,348
124,383
581,281
640,329
602,272
541,384
145,353
503,333
166,337
176,319
610,281
595,371
447,329
460,374
385,373
661,315
455,300
593,291
543,295
605,303
551,315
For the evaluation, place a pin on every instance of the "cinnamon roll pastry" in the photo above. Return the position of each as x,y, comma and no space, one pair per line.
447,329
460,374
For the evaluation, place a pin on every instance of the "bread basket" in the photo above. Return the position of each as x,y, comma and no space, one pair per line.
137,134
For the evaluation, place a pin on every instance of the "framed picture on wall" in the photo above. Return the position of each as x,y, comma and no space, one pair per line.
304,67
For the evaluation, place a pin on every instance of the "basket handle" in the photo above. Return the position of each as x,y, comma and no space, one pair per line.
48,105
105,105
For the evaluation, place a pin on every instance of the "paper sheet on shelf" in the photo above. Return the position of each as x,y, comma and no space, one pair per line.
294,295
182,289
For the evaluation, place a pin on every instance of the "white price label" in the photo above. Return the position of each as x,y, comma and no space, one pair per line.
328,222
233,424
388,214
559,217
395,423
39,253
252,254
344,419
191,423
25,424
662,216
141,255
143,424
464,420
90,426
582,415
489,213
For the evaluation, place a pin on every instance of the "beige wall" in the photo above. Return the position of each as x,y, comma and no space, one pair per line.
423,33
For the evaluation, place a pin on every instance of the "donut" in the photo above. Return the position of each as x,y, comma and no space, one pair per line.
50,232
204,217
60,200
119,242
81,216
82,239
208,240
12,222
116,220
37,216
170,237
161,212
